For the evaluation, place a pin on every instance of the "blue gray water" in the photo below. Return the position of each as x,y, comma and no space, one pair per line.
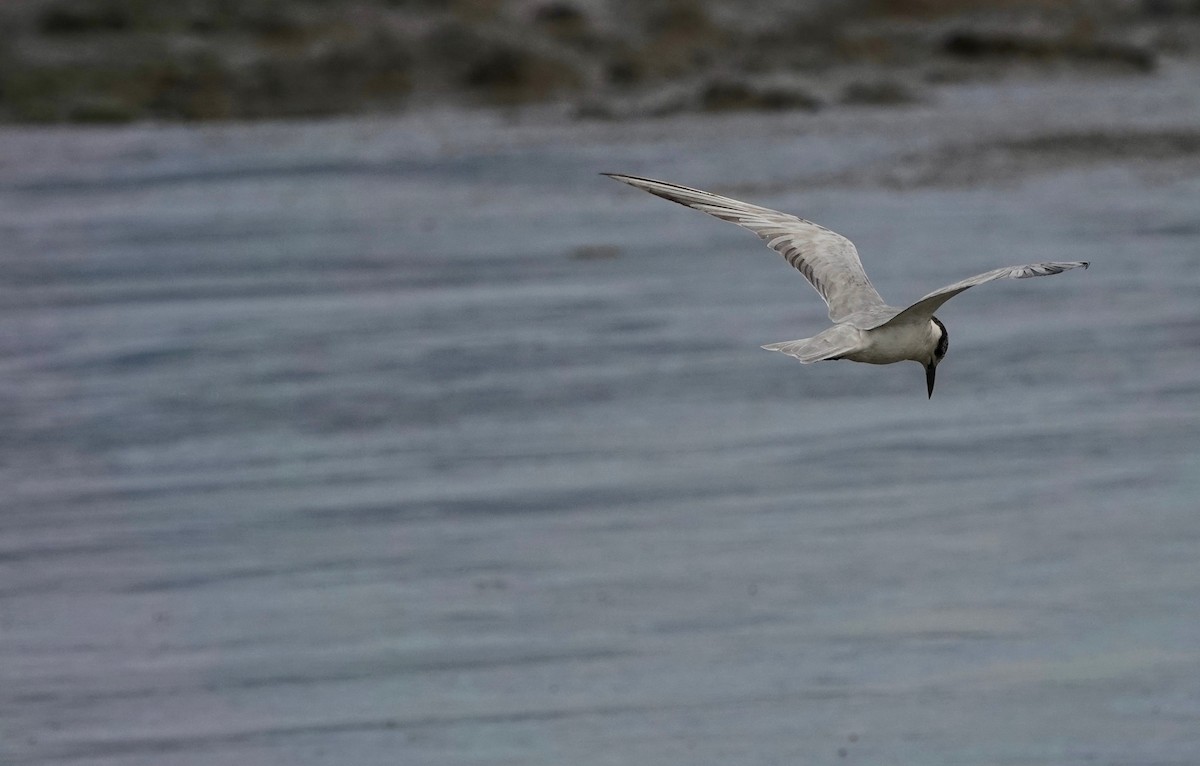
415,441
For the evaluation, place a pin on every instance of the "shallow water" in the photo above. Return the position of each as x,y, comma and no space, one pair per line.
415,441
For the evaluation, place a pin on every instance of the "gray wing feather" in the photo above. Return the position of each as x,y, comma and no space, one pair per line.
827,260
925,307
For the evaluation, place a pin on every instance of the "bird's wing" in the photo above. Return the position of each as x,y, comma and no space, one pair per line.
827,259
925,307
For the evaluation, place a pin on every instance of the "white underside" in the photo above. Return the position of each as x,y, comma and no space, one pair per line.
882,345
888,344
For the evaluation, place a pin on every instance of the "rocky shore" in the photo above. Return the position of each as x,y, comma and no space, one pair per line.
126,60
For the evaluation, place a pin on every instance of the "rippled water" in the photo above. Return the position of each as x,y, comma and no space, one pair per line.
418,442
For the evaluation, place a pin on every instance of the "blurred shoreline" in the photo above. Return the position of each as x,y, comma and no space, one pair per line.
118,61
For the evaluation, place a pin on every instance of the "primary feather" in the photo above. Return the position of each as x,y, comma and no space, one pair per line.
827,260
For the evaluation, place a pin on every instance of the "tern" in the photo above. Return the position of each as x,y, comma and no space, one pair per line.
865,328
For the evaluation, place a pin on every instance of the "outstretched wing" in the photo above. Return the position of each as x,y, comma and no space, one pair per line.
925,307
827,259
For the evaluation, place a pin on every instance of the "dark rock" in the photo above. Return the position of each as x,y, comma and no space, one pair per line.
624,72
558,13
970,44
723,95
1168,8
78,16
496,68
879,92
565,22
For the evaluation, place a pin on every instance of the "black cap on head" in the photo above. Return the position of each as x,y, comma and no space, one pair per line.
943,344
939,352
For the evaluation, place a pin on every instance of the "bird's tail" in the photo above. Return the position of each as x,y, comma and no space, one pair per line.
834,343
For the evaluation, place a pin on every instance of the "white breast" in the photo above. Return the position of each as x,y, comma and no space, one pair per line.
890,343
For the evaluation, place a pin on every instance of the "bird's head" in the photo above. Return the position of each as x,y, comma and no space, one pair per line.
941,346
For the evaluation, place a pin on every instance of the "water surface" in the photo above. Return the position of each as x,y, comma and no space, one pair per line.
415,441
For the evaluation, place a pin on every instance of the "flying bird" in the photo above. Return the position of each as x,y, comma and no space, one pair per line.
865,328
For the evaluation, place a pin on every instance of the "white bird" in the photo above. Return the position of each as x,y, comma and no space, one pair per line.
865,328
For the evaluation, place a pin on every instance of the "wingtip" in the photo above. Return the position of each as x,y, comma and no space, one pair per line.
638,180
619,177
